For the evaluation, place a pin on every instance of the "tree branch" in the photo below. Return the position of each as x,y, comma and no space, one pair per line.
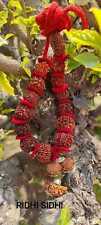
15,29
8,65
2,5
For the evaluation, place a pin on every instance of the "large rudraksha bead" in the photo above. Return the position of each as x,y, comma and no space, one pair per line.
41,70
37,85
65,121
28,144
23,112
63,139
44,153
22,129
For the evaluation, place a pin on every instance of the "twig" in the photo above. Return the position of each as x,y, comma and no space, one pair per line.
2,5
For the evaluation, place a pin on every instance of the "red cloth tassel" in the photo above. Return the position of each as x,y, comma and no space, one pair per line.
57,74
60,89
35,150
23,137
79,12
60,58
16,121
26,102
57,150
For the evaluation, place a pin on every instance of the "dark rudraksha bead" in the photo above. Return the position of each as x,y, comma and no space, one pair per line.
28,144
22,129
37,85
63,139
23,112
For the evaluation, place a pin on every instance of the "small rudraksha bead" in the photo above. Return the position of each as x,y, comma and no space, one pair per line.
65,121
55,190
57,43
57,81
22,130
28,144
44,153
41,70
63,139
54,169
23,112
63,108
37,85
57,66
67,164
61,95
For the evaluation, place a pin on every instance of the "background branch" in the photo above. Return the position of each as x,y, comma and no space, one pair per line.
8,65
15,29
2,5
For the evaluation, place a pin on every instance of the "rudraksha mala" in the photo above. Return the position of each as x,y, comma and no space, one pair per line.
51,21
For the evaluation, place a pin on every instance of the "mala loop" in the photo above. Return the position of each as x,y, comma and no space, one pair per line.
51,21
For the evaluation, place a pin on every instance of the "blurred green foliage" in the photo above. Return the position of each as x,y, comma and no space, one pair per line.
97,190
65,217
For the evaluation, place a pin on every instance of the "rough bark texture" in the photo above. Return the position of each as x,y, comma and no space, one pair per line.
18,181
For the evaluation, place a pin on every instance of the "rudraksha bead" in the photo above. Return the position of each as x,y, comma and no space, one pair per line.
44,153
57,81
22,130
67,165
32,97
57,43
63,108
56,190
37,85
65,121
63,139
23,112
28,144
54,168
41,70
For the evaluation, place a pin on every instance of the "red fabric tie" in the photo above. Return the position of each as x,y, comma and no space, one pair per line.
55,18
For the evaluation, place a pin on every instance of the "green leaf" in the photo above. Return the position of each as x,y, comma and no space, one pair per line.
20,20
85,37
14,4
7,111
23,50
72,1
97,191
3,17
87,59
65,217
3,42
97,13
1,151
97,68
30,9
25,65
9,35
70,49
35,30
5,85
45,2
80,2
98,119
72,64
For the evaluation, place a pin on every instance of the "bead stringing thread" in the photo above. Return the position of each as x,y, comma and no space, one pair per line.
25,111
